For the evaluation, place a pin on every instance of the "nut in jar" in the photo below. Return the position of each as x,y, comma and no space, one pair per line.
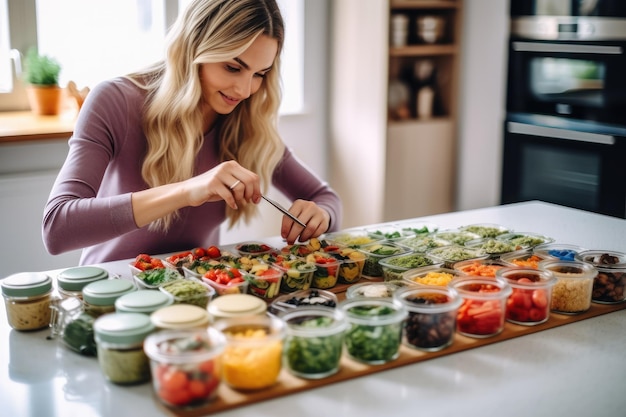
27,298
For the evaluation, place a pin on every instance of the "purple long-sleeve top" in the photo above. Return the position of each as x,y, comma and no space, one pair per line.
90,203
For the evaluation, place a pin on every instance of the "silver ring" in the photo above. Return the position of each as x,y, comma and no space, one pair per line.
235,184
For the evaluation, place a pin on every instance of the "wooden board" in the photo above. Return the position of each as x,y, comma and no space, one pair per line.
287,384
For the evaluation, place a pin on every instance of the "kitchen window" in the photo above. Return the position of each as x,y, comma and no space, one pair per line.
99,39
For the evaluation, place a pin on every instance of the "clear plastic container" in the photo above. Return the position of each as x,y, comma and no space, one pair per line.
431,321
525,240
351,267
152,279
572,291
326,270
189,291
314,341
431,275
235,305
180,317
71,281
297,273
452,254
420,228
226,279
375,253
264,281
192,354
486,230
529,302
492,246
455,236
99,296
424,243
559,251
252,358
523,258
119,339
486,268
395,266
482,313
374,333
143,301
609,285
253,248
305,298
390,233
351,237
371,290
27,298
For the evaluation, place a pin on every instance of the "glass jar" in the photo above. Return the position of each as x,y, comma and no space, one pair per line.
71,281
609,285
192,354
143,301
374,330
99,296
252,358
431,322
314,341
571,294
73,326
27,298
180,316
119,340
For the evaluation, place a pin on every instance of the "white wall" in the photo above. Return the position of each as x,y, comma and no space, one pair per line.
482,92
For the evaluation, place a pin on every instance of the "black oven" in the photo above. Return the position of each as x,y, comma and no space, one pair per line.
565,126
575,164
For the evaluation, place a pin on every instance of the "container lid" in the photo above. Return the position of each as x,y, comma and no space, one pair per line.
232,305
143,301
74,279
180,316
105,292
26,284
122,328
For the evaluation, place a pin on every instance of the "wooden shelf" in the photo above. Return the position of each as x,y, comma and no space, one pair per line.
27,126
423,50
424,4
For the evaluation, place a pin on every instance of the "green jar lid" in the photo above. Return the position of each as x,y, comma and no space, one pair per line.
26,284
143,301
74,279
104,292
122,328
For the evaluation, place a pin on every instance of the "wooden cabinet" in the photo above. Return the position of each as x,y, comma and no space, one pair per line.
394,99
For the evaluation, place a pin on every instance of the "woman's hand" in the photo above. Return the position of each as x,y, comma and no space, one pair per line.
317,221
228,181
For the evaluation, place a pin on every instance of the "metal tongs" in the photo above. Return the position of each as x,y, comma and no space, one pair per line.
283,210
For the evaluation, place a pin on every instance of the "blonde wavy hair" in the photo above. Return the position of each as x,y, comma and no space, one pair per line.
210,31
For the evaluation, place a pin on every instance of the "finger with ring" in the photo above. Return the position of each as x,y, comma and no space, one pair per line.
236,183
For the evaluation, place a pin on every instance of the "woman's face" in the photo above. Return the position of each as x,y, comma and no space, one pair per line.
226,84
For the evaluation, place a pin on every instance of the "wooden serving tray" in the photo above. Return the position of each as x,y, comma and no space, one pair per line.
228,398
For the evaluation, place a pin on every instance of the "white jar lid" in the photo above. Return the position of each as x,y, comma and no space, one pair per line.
180,316
233,305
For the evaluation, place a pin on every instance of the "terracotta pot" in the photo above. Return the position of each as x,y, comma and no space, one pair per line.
44,100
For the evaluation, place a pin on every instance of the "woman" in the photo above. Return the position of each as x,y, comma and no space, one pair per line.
160,158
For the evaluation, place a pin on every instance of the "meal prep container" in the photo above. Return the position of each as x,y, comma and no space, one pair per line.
305,298
525,240
151,279
572,291
419,228
395,266
253,249
71,281
484,304
374,331
486,268
529,302
180,316
456,236
191,356
252,358
559,251
354,238
523,258
431,275
486,230
99,297
371,290
452,254
143,301
27,299
226,279
390,233
376,252
235,305
494,247
431,321
119,339
314,341
189,291
326,271
351,267
423,243
608,286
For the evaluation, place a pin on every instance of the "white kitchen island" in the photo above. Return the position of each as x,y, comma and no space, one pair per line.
577,369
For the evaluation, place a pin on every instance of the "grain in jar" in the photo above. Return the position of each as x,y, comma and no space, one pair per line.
27,298
571,294
119,339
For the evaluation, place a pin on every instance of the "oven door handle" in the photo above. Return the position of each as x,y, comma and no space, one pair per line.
570,48
554,133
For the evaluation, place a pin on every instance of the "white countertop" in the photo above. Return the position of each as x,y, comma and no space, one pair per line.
573,370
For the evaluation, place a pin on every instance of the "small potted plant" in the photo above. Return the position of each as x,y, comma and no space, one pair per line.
41,75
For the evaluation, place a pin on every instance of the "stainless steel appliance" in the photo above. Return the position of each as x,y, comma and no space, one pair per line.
565,127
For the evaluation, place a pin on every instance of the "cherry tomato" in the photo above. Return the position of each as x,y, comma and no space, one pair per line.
174,380
198,389
540,299
199,252
213,252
